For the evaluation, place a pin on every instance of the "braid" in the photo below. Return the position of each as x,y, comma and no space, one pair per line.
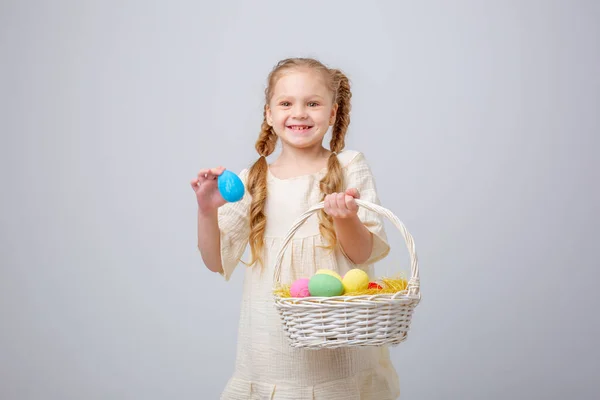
342,121
257,188
333,181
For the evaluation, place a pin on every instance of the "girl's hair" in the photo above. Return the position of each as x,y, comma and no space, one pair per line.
339,86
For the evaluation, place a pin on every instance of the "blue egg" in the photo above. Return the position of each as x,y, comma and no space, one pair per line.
230,186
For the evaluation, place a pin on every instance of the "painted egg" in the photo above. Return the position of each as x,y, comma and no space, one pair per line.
329,272
356,279
374,285
230,186
300,288
325,285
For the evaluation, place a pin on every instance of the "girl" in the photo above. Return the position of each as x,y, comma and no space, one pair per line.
303,99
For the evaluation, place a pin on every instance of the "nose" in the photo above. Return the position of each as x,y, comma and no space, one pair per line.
299,111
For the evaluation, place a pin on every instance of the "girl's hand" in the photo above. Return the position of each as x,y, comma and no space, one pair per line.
207,191
342,205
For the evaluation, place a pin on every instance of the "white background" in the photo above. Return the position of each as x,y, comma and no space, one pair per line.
480,121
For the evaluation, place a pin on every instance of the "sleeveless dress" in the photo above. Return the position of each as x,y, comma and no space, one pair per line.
266,366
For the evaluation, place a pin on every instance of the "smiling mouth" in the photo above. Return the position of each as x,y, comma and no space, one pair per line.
299,128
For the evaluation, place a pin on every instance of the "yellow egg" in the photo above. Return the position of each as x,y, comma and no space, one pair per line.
355,280
329,272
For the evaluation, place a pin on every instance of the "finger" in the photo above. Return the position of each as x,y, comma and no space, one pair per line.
195,183
353,192
327,204
203,175
341,201
210,174
351,204
217,171
334,211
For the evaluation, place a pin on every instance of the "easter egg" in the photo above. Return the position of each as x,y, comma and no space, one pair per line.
300,288
325,285
355,280
230,186
374,285
329,272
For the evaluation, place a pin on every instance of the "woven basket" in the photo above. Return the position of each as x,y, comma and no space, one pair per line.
346,321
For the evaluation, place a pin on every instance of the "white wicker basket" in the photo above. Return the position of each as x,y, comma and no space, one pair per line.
344,321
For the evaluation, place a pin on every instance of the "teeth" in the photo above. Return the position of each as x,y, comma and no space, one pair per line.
298,127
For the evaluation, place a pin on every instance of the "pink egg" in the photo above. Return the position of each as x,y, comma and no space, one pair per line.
300,288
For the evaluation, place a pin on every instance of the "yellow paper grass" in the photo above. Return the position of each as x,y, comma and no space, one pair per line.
389,286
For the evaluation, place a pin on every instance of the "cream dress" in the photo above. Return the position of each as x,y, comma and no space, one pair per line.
266,366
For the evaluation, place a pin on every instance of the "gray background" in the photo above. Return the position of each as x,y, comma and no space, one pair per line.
480,121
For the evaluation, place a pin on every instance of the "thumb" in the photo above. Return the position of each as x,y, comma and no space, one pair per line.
353,192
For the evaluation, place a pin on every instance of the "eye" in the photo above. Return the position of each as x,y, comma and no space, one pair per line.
285,104
313,104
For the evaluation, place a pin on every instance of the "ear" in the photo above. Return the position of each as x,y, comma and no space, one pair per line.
268,115
333,114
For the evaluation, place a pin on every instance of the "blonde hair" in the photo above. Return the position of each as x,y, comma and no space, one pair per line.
332,182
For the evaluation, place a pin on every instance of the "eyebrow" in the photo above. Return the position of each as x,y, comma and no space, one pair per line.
309,97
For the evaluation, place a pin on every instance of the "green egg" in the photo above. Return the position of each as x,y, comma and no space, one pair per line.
323,285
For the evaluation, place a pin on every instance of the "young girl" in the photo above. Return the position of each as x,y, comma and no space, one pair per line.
303,99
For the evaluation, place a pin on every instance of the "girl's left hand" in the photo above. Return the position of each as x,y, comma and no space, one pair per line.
342,205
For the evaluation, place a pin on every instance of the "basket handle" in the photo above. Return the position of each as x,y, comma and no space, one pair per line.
413,283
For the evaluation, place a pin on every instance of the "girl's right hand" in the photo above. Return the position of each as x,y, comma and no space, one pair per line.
207,191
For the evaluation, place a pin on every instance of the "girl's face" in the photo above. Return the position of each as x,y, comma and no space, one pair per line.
301,109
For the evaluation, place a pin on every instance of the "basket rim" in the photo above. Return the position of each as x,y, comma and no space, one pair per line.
384,297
